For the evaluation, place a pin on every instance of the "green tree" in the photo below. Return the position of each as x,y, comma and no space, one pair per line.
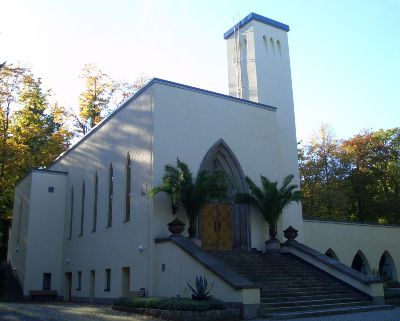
101,96
95,98
39,136
270,200
192,192
374,175
10,87
321,174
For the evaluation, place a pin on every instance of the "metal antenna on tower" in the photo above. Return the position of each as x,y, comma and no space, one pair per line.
237,58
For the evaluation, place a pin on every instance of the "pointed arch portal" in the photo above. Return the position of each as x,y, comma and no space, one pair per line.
220,157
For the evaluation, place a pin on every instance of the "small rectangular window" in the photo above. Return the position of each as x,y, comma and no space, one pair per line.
46,281
108,280
51,189
79,281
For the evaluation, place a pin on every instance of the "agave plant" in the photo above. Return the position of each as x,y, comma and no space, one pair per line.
192,192
202,290
270,200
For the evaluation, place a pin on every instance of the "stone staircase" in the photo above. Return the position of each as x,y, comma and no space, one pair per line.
10,287
291,287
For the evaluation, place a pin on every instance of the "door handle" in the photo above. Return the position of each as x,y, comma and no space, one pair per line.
219,226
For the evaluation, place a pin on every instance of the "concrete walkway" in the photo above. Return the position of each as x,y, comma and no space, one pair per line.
382,315
81,312
63,312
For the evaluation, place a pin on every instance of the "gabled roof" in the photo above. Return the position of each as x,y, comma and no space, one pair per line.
167,83
259,18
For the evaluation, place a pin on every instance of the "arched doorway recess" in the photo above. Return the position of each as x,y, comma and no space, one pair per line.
221,158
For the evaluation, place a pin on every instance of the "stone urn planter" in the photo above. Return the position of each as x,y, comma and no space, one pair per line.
176,226
290,233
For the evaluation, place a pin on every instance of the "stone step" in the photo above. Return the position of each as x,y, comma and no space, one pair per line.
267,288
312,301
289,285
322,312
284,294
266,309
306,296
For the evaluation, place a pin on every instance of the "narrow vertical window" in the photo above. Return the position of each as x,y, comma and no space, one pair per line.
271,41
79,279
19,221
108,280
46,281
96,188
128,189
82,208
110,195
265,41
278,44
71,213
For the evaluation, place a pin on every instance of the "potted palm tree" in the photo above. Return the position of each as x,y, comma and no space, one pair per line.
192,192
270,201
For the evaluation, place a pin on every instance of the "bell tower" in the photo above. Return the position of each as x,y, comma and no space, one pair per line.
259,71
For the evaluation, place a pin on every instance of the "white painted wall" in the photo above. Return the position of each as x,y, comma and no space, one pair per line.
181,268
18,237
346,239
265,77
128,130
46,224
188,123
41,224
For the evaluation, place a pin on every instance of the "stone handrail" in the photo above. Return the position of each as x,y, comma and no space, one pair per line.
231,277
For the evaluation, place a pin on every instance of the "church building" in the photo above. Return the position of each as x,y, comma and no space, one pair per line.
86,228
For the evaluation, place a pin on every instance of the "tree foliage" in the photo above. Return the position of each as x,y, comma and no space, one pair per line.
269,200
33,132
192,192
353,179
101,96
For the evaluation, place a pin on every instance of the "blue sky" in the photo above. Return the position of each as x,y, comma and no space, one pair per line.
345,55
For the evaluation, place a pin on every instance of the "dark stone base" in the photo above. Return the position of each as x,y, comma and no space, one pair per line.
211,315
250,311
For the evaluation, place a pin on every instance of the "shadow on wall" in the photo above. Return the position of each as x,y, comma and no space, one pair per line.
360,263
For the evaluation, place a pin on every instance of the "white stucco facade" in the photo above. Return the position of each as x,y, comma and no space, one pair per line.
97,237
35,244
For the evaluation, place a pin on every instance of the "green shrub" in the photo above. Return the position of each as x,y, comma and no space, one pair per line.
177,304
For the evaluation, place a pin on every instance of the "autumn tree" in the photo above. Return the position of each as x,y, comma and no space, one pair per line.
33,132
10,87
354,179
321,171
374,162
101,96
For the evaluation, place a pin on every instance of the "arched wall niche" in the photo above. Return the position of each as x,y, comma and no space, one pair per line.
331,253
220,157
387,267
360,263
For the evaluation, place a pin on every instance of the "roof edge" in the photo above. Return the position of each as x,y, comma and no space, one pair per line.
259,18
143,89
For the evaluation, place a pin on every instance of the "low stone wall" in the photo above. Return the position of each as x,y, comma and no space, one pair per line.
211,315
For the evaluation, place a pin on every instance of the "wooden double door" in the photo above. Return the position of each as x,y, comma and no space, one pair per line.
217,227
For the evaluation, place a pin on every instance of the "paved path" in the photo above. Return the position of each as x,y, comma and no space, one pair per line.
63,312
383,315
80,312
